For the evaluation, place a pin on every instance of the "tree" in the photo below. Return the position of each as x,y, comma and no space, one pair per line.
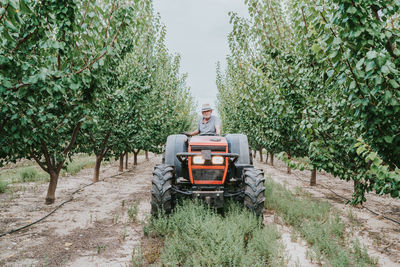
49,55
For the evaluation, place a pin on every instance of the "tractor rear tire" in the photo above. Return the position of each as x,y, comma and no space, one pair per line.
254,190
161,192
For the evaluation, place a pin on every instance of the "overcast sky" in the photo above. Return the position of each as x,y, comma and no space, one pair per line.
198,30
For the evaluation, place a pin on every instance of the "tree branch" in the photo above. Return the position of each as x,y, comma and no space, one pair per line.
39,162
46,156
84,14
388,45
73,138
22,40
100,56
108,23
70,145
16,87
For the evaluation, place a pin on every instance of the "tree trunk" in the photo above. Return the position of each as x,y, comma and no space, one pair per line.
51,191
135,154
272,159
313,180
255,153
289,170
126,160
97,166
261,155
121,163
266,158
147,155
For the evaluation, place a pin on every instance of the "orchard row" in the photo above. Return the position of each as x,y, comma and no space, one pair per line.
318,82
86,76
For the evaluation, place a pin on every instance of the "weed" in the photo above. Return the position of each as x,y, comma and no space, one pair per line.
124,233
3,187
31,174
133,212
116,218
137,257
100,248
80,162
238,239
352,218
361,255
317,223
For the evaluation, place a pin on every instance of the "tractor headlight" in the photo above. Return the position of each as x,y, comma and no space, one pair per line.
198,160
217,160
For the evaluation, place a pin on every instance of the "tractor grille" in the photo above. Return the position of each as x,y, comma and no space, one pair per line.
212,148
207,175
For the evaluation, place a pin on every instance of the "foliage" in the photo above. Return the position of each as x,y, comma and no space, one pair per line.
237,239
30,174
76,75
3,186
309,78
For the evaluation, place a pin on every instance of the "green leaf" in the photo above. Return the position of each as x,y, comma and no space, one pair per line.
388,139
372,54
351,10
24,8
394,84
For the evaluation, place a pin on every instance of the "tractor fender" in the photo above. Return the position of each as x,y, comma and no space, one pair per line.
175,144
238,143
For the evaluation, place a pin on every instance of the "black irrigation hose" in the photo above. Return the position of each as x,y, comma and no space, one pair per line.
368,209
59,206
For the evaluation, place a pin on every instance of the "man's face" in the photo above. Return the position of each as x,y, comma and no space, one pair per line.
207,114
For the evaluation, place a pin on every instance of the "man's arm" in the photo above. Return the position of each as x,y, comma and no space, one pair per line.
218,125
195,132
218,129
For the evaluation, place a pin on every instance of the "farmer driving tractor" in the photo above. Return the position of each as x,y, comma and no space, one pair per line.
208,124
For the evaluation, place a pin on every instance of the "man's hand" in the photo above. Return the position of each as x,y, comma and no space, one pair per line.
187,134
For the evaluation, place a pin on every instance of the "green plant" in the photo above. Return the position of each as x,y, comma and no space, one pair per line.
138,259
31,174
318,80
238,239
3,187
133,212
318,224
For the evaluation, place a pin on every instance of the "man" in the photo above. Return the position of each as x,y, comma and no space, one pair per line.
208,124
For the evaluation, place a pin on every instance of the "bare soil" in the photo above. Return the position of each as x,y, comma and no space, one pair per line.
94,229
380,236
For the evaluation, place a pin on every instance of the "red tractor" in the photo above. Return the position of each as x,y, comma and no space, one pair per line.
211,168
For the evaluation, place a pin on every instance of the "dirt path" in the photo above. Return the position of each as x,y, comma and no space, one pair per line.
95,230
380,236
92,230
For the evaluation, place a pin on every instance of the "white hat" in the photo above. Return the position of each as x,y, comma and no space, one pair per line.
206,107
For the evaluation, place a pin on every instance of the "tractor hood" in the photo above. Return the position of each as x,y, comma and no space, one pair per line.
208,141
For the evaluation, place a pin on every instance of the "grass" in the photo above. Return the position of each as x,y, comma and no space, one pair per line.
319,224
29,172
3,186
133,212
197,236
78,163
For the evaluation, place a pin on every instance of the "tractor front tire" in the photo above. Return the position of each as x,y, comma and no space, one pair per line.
161,191
254,190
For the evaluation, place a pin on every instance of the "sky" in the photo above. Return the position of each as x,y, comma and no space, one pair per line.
198,30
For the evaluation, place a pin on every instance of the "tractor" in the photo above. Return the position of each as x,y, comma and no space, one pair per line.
210,168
